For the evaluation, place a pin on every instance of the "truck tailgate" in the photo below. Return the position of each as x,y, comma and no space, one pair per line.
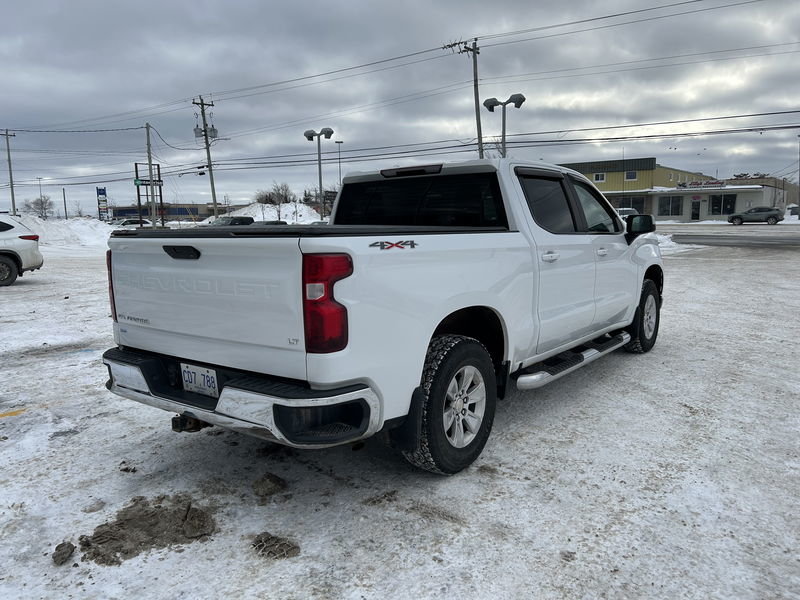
208,300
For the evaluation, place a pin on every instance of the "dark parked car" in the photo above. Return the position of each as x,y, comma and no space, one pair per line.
759,214
226,221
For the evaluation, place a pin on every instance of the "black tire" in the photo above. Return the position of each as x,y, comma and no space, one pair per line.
457,368
644,329
737,220
8,271
772,221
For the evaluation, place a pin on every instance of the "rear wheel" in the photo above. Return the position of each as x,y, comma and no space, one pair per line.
460,393
8,271
644,329
736,220
772,220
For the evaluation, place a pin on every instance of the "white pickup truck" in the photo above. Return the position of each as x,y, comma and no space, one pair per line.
433,290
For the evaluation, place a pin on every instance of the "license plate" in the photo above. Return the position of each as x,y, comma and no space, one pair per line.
200,380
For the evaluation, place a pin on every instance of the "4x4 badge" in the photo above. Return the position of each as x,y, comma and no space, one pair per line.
390,245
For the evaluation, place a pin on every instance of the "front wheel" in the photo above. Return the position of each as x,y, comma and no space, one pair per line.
460,393
644,329
736,220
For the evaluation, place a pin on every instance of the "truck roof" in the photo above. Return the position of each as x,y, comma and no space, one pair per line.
472,166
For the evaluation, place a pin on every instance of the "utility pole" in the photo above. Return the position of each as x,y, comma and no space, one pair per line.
64,196
152,198
10,174
464,48
202,106
475,51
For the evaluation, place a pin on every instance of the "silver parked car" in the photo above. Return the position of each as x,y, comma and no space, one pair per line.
19,250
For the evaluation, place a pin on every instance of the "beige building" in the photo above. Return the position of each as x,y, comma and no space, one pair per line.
634,174
677,195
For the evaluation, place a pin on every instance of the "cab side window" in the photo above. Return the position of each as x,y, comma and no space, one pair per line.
596,212
547,200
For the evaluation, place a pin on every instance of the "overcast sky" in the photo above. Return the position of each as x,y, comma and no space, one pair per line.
89,65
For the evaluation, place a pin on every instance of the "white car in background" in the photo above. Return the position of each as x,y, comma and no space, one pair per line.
19,250
131,222
624,212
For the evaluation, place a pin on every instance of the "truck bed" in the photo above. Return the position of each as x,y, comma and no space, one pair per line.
298,231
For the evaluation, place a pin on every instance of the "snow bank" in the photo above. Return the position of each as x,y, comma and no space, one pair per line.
291,213
77,231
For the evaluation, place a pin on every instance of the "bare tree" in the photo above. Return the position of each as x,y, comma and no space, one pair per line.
279,195
283,195
41,206
77,208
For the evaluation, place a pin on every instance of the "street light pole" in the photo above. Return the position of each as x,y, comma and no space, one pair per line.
503,138
492,103
339,144
310,134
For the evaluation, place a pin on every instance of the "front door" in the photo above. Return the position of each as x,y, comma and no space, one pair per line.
695,210
565,260
615,289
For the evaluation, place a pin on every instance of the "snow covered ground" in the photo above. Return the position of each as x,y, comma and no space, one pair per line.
673,474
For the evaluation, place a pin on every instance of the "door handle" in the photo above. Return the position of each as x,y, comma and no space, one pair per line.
602,252
550,256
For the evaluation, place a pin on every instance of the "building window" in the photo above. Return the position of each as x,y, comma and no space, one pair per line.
599,177
722,204
670,176
630,176
634,202
670,206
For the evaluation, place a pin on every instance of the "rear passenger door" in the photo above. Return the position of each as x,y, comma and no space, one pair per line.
616,277
565,259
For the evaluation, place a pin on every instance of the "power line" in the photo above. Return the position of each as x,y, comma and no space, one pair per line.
599,27
170,145
580,22
452,150
651,123
333,72
74,130
632,62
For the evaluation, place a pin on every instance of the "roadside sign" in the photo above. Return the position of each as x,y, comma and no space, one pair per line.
156,182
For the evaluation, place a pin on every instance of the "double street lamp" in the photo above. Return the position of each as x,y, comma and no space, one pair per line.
492,103
310,134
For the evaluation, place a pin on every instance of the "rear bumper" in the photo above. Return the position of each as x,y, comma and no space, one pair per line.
285,412
34,267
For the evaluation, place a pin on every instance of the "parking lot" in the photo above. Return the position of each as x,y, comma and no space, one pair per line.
672,474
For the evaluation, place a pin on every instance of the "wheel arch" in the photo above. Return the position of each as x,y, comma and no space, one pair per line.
656,274
481,323
13,256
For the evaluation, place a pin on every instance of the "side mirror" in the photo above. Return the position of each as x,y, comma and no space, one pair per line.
638,225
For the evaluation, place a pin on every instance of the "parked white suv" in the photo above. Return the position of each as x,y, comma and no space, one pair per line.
19,250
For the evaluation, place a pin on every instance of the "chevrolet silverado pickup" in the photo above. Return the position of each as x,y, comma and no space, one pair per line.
433,290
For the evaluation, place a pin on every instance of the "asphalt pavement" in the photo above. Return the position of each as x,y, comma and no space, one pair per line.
724,234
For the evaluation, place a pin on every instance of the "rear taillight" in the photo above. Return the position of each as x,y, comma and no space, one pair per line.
111,286
325,319
33,237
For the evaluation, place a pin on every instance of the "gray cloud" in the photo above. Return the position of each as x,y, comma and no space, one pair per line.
66,65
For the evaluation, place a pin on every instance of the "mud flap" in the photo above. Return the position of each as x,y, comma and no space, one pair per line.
407,435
